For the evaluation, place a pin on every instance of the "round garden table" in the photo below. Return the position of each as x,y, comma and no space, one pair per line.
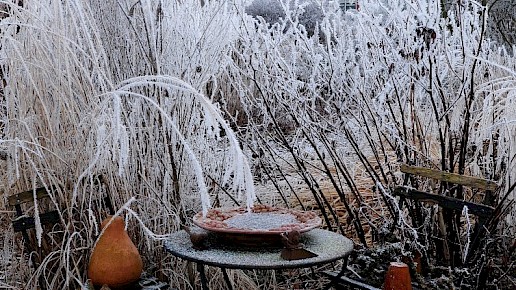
328,247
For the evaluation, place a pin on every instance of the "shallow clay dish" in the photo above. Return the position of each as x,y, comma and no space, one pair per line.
263,220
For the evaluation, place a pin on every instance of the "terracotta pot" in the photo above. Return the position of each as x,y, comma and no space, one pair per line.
397,277
115,260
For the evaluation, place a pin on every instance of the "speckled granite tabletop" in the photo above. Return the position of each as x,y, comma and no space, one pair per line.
328,246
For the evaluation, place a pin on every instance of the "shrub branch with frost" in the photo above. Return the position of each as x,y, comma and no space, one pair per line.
392,83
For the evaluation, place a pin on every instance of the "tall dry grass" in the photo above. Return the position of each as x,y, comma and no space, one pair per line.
103,99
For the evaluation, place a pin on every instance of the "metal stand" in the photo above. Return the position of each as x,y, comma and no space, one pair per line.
226,278
204,281
216,255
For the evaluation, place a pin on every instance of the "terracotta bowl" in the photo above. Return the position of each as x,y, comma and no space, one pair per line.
262,227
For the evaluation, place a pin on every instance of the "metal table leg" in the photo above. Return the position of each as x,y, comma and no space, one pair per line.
340,274
204,281
226,278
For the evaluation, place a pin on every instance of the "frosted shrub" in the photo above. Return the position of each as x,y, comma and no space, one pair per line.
329,122
270,10
306,13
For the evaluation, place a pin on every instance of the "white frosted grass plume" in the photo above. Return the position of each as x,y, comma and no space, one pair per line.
37,221
120,136
498,116
236,166
465,213
124,149
203,192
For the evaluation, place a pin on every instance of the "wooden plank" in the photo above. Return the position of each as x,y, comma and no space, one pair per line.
26,196
479,210
25,222
466,180
334,276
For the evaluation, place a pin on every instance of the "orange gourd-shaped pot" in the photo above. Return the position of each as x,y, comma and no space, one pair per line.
397,277
115,260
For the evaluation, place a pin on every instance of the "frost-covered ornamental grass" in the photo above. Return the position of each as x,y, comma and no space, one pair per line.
106,100
129,99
